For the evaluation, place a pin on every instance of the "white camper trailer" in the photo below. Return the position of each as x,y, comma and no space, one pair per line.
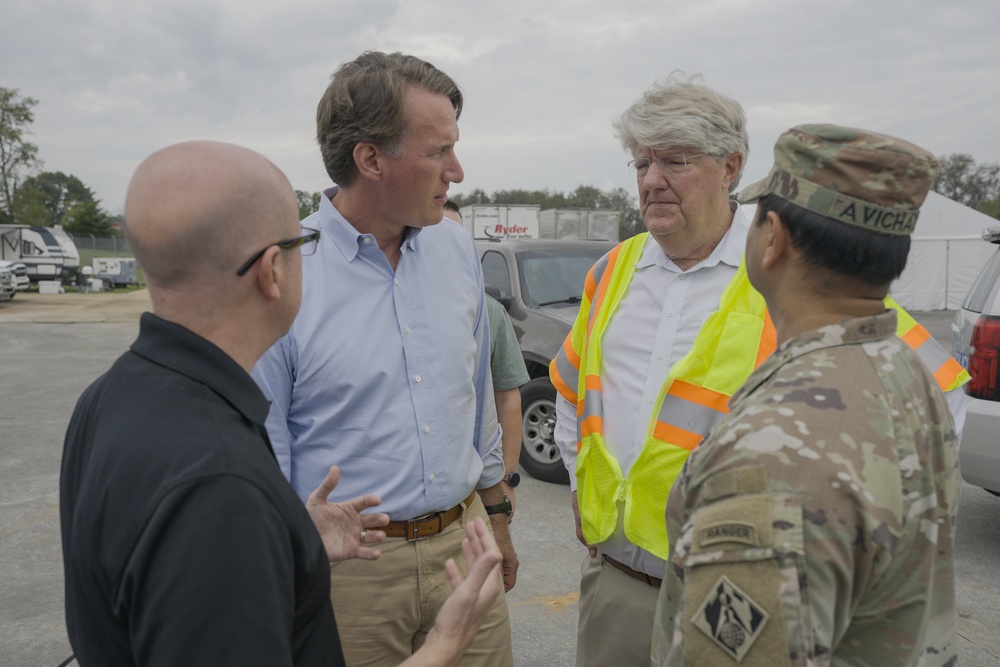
47,252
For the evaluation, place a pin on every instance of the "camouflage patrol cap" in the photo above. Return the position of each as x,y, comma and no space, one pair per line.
857,177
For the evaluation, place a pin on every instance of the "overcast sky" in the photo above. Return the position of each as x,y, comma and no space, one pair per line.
117,79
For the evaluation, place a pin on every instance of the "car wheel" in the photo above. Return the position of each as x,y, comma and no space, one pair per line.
540,456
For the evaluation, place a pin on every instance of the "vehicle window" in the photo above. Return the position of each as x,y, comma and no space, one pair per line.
556,275
496,274
987,280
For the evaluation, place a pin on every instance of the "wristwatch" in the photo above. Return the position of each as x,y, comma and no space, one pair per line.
512,479
503,508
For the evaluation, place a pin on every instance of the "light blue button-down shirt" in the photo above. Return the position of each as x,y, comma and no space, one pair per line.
386,374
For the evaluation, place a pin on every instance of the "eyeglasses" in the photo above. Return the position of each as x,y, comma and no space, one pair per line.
670,165
307,242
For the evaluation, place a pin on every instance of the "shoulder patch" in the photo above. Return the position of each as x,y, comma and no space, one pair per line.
730,618
728,531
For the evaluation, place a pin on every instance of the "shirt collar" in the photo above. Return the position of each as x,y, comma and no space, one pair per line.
342,233
172,346
729,250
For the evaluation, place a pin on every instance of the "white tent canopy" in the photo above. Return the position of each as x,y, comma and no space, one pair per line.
946,254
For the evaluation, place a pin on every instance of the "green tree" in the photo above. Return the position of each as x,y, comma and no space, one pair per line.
53,198
967,182
308,202
990,208
87,219
18,156
48,198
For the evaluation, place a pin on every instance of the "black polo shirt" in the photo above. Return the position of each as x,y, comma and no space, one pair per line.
183,544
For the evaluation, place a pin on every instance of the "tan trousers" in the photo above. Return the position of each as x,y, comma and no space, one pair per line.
385,608
616,617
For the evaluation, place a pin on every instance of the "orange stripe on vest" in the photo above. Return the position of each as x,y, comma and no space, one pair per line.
700,395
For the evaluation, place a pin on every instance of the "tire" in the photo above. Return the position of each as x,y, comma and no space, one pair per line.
540,456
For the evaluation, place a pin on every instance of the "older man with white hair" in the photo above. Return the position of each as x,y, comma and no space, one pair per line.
664,337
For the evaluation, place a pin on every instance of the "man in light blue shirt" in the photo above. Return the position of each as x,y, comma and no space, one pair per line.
386,371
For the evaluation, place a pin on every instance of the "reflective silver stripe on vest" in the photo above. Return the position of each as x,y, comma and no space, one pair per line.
593,405
932,354
597,271
688,416
567,372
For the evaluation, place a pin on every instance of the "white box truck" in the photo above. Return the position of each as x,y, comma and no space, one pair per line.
578,224
501,221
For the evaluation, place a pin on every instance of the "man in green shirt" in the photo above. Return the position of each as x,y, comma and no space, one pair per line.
509,373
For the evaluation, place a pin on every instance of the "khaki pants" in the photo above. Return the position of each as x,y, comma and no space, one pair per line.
616,617
385,608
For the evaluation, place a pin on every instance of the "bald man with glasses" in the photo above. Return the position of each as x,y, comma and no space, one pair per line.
183,544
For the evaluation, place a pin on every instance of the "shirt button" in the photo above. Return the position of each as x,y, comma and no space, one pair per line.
659,356
368,241
670,313
407,328
417,378
650,401
396,281
427,429
683,276
433,477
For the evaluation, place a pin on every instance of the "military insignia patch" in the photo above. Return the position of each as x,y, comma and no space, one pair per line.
730,618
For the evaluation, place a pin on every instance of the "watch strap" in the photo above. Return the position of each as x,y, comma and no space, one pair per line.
501,508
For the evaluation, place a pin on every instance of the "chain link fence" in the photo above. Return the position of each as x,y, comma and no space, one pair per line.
97,245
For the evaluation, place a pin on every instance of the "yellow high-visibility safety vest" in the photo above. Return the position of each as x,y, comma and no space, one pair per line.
733,341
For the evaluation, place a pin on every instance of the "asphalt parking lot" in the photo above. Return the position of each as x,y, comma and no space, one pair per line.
46,364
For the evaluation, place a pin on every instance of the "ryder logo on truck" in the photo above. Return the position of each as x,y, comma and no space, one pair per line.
512,232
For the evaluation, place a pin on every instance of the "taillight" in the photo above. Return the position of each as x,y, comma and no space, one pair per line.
984,360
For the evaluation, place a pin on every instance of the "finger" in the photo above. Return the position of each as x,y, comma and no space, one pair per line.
361,503
374,536
508,581
483,566
473,531
375,520
365,553
325,487
454,575
485,541
593,551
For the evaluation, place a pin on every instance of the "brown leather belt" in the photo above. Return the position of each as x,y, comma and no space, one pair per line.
635,574
428,524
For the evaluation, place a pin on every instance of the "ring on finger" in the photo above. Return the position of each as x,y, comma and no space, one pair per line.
364,534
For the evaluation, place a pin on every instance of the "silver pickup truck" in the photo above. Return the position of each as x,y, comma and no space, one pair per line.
539,282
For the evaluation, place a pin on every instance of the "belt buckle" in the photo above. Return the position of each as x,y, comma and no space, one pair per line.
412,530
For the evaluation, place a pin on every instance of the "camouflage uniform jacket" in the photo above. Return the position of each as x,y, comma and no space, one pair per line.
814,525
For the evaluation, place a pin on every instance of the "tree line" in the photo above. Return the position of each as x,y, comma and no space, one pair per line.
30,196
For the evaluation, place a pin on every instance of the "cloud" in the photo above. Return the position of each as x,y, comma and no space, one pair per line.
116,80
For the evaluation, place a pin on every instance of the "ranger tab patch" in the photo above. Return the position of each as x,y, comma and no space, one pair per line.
730,618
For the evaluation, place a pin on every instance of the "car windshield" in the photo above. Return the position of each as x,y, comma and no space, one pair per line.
555,275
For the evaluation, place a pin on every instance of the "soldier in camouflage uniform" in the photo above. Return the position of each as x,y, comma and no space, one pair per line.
814,525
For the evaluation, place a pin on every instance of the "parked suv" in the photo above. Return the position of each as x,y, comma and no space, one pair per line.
539,282
976,345
20,275
6,284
